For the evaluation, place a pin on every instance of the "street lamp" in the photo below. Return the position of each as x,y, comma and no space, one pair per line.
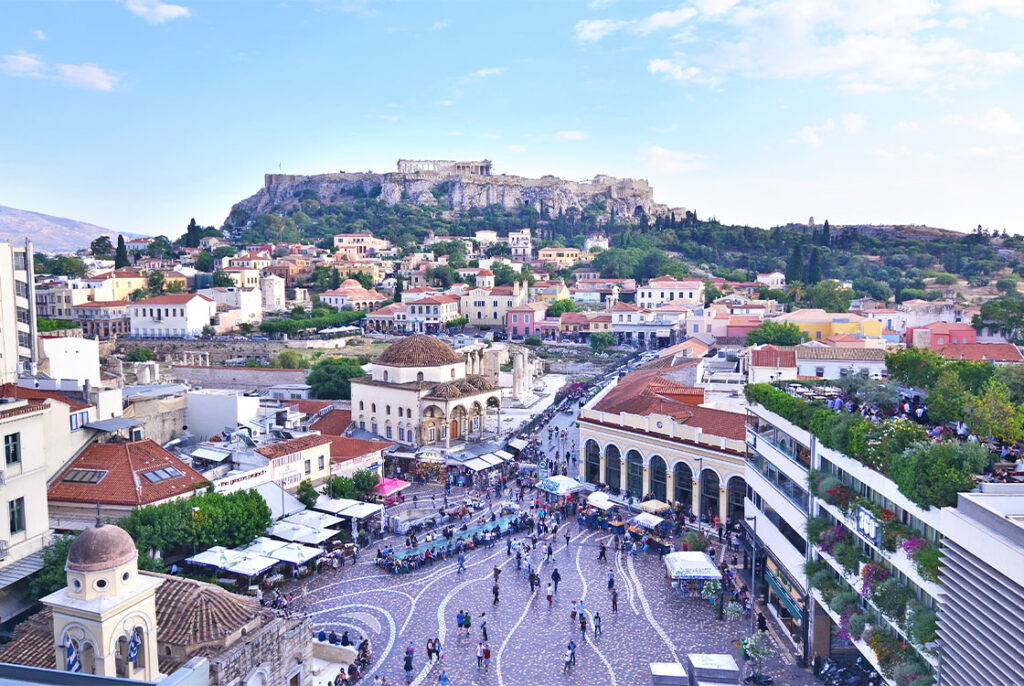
753,571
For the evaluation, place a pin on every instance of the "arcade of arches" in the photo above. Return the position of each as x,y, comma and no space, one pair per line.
668,478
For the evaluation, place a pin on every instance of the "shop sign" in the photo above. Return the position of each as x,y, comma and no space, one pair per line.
867,525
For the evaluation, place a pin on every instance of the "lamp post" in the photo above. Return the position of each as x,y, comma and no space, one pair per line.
753,571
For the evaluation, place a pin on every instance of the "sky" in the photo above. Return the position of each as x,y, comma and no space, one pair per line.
139,114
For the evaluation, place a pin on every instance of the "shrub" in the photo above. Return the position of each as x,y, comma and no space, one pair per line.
734,611
532,341
926,560
696,540
848,555
139,355
872,575
931,474
857,623
891,598
843,600
922,624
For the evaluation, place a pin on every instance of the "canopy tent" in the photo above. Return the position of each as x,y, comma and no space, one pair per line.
296,553
386,487
691,564
654,506
560,485
362,510
353,510
476,464
647,520
333,505
517,444
251,565
599,499
281,502
216,557
242,562
505,455
312,519
301,534
263,546
491,459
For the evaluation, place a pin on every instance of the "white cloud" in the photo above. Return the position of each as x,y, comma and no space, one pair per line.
439,26
156,12
389,117
38,35
908,126
516,148
455,133
958,23
811,135
1013,8
885,153
996,121
570,136
673,71
590,30
664,20
854,123
447,103
668,161
715,7
89,76
488,71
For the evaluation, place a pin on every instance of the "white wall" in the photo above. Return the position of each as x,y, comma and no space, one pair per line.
73,358
211,411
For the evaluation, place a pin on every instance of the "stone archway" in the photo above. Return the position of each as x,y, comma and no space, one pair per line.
658,478
736,491
457,422
635,474
593,461
683,477
612,468
709,494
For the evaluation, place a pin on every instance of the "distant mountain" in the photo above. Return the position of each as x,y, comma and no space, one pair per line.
50,234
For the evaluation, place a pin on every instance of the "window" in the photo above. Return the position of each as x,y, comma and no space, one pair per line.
12,448
308,466
84,476
387,409
419,376
401,434
373,407
16,512
387,431
373,427
432,434
321,461
361,402
158,475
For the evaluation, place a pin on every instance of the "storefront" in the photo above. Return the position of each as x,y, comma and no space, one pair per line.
786,600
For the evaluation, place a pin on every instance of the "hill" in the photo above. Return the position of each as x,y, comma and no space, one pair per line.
49,233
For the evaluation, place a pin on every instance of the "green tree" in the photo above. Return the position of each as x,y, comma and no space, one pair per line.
795,265
221,279
290,359
993,413
1005,315
102,247
364,279
931,474
209,331
775,334
340,487
139,355
364,481
711,292
399,287
121,257
138,294
1012,376
46,325
814,266
306,494
601,341
533,341
246,328
330,376
946,399
204,261
557,308
155,282
917,367
52,577
829,296
160,247
758,648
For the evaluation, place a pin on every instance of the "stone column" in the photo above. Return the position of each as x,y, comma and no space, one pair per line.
723,505
600,476
670,485
695,497
623,474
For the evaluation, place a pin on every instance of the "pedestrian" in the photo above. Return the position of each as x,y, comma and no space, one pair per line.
567,665
430,650
467,622
480,656
615,600
495,590
533,582
816,663
497,573
461,621
566,535
462,563
508,548
572,648
549,595
438,656
603,554
442,679
556,577
408,668
611,580
762,623
581,606
572,613
487,657
550,552
597,624
483,625
583,627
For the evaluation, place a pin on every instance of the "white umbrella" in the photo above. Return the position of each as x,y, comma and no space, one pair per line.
647,520
691,564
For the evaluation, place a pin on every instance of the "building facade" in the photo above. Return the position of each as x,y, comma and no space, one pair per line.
17,310
171,316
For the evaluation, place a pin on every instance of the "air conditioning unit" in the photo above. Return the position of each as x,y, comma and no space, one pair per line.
3,480
5,548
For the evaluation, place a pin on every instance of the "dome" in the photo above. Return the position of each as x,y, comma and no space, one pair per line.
349,283
445,390
480,383
418,351
101,547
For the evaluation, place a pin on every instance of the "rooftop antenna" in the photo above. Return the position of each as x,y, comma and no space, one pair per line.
99,517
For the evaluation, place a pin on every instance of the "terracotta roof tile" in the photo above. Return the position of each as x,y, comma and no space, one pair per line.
343,448
126,482
10,390
418,350
309,406
981,352
292,445
172,299
771,356
334,423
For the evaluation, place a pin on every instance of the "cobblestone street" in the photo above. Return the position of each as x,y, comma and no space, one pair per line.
527,638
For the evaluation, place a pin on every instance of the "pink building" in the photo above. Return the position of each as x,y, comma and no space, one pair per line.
940,334
522,321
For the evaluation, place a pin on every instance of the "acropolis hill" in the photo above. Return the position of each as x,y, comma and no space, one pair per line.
462,184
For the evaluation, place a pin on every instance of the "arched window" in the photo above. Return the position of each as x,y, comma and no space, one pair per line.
612,471
453,373
387,409
360,404
373,407
385,375
419,376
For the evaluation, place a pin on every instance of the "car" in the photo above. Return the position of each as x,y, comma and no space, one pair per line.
260,338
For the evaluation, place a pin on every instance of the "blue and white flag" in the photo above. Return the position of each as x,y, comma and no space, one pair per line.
74,664
133,646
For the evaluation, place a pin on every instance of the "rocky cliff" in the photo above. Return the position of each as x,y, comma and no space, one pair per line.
623,197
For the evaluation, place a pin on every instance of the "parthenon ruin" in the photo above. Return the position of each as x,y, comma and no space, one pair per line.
480,168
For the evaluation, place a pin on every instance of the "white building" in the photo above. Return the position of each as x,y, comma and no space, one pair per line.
521,245
351,295
70,357
595,241
169,316
212,411
663,289
272,288
17,310
248,301
775,280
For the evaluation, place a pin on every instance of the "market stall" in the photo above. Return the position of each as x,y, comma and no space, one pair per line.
688,571
299,533
388,489
654,506
649,529
599,499
560,485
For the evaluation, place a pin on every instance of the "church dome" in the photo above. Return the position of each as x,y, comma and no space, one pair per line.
418,351
101,547
350,283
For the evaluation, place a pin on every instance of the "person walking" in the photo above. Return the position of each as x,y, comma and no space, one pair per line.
495,590
556,577
508,548
497,573
483,626
442,679
566,536
430,650
615,601
462,563
603,554
597,624
533,582
567,664
408,668
460,620
583,627
611,580
572,613
549,595
487,657
572,649
550,551
480,656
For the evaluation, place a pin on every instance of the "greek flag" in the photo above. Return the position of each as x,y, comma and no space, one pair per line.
74,664
133,646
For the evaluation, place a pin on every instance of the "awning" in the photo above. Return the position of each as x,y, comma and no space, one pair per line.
560,485
491,459
505,455
516,444
333,505
361,510
301,534
654,506
251,565
263,546
296,553
16,571
218,557
114,424
212,454
599,499
388,487
647,520
476,464
691,564
314,520
281,502
663,333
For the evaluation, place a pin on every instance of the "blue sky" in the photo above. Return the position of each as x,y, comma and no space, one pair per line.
139,114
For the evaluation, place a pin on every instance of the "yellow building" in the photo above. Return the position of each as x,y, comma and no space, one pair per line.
818,324
297,459
549,291
243,277
172,278
350,269
563,257
121,283
644,436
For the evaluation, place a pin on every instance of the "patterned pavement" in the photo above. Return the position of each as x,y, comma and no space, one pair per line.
527,638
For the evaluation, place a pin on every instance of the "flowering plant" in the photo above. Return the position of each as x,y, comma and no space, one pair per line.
913,544
887,514
872,574
831,536
840,496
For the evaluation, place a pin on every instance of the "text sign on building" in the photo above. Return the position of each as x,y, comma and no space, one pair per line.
239,482
867,525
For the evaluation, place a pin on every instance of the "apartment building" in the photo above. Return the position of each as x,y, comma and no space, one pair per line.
104,319
562,257
488,306
521,245
663,289
171,316
358,245
17,310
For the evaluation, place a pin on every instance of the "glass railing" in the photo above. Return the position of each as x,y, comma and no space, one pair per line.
801,455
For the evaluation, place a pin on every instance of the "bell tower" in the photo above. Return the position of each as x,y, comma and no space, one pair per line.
104,620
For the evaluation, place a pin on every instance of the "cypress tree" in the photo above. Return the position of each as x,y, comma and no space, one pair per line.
795,266
814,266
121,257
826,235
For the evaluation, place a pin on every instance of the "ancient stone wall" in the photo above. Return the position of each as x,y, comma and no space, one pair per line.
236,378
